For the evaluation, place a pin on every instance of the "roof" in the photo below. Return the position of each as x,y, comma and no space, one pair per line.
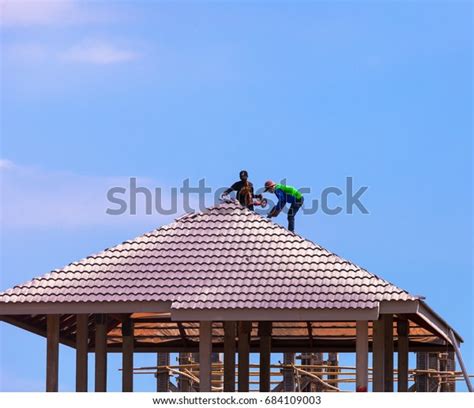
226,257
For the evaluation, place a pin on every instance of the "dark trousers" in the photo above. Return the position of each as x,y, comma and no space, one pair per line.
292,212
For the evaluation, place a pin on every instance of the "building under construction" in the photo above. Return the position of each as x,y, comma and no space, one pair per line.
218,285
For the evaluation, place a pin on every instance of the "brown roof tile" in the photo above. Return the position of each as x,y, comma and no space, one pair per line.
225,257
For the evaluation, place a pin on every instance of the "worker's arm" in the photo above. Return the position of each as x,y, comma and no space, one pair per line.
279,206
233,187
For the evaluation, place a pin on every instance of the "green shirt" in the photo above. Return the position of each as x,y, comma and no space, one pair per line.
289,190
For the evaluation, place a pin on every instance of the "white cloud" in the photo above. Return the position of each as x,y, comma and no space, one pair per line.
34,197
48,12
37,12
6,164
90,52
98,52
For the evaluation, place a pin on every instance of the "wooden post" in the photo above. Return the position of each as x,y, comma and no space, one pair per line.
421,380
52,353
312,359
333,361
216,375
450,366
378,344
426,361
245,329
362,355
100,353
184,384
82,341
288,373
229,356
265,334
388,352
433,363
127,353
163,376
205,350
402,365
317,359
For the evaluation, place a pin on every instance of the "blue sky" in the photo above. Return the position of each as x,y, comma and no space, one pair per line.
93,93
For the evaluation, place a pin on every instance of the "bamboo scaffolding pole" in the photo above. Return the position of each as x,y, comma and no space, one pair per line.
323,382
317,370
218,370
161,369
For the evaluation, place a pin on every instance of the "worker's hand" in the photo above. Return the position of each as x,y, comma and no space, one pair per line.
224,196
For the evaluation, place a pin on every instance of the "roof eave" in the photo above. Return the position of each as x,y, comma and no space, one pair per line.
274,314
421,309
18,308
435,320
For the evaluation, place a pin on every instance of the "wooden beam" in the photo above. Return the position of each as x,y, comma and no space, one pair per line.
378,384
39,330
82,340
245,329
388,352
52,353
229,356
310,334
276,315
265,334
127,353
100,353
402,355
205,350
163,377
182,333
278,346
84,307
362,355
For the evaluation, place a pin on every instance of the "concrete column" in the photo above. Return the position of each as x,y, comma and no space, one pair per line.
82,341
52,352
205,350
388,352
245,329
402,354
229,356
100,353
127,354
378,346
265,334
362,355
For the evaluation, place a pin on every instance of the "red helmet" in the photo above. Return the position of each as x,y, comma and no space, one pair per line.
269,184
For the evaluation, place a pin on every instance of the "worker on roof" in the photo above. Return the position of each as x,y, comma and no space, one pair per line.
285,194
244,190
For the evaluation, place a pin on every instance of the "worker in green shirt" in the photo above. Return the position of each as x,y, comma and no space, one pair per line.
285,194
